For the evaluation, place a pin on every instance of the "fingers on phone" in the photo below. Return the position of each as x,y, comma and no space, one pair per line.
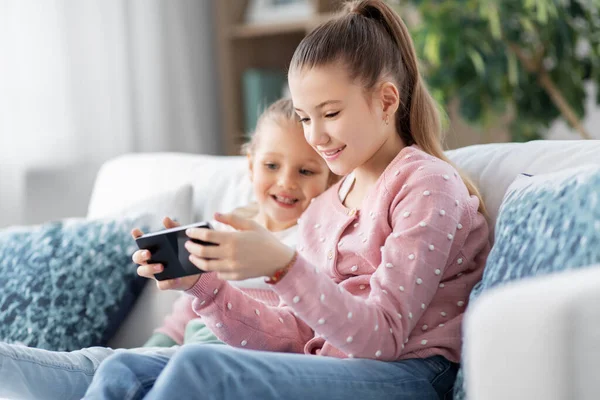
141,256
136,233
148,270
169,223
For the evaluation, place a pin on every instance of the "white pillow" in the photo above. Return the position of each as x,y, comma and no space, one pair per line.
221,186
176,204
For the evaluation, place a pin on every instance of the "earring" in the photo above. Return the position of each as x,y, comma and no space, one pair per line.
386,119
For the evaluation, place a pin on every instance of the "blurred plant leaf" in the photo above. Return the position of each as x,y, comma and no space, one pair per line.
495,55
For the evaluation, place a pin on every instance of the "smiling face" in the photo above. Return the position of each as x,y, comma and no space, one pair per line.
286,173
341,122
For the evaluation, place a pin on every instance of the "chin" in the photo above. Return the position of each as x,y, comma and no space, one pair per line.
340,170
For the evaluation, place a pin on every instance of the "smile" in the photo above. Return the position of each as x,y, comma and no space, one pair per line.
332,154
284,200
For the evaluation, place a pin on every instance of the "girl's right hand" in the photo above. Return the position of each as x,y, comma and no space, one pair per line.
146,270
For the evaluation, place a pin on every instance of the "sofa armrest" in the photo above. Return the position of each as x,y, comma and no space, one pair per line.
536,339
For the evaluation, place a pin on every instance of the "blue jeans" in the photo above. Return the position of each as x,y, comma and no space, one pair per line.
30,373
224,372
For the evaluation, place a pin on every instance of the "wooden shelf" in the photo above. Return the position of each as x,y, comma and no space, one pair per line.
241,46
299,26
256,30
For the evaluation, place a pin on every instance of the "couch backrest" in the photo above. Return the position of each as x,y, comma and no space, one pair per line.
493,167
221,182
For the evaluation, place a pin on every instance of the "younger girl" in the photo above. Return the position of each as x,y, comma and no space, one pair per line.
286,174
374,296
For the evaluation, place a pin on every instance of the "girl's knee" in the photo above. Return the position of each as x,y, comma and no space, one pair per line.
201,356
116,362
196,352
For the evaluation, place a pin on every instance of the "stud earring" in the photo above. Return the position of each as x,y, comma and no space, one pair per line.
386,119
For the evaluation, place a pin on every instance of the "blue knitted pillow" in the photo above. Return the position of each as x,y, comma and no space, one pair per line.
69,284
547,223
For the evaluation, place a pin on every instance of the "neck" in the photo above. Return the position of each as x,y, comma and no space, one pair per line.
368,173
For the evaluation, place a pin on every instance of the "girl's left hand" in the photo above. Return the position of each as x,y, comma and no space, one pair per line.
250,252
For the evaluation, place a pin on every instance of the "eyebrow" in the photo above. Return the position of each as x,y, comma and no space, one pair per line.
307,161
323,104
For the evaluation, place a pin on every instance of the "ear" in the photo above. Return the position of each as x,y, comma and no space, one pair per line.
389,97
250,166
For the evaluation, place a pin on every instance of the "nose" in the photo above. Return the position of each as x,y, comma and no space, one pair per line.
315,135
287,178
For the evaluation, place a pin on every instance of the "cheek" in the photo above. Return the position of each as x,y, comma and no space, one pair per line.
317,187
261,184
344,129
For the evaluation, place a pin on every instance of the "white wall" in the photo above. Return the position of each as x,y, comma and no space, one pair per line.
84,81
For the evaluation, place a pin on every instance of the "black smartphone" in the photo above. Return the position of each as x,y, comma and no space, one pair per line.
167,248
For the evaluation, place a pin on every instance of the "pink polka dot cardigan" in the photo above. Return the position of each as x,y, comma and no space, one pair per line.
389,281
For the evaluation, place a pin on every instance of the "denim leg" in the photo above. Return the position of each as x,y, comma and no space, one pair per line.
30,373
223,372
126,376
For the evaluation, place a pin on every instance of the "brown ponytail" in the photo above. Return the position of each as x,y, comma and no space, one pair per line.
372,42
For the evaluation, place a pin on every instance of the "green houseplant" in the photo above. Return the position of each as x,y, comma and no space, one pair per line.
530,58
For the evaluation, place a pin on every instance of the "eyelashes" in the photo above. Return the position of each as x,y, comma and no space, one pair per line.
329,116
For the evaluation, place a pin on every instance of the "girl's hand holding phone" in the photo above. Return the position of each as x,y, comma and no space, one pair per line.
146,270
250,251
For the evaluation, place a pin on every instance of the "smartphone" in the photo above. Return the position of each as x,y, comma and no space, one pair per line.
167,248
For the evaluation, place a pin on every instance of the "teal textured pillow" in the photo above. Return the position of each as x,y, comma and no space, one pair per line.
547,223
69,284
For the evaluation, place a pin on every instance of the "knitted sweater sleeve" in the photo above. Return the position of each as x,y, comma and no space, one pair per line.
242,321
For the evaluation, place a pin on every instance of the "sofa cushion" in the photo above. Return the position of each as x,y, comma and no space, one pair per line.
547,223
220,183
67,284
175,203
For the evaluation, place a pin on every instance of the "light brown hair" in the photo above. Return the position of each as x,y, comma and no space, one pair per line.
281,111
372,42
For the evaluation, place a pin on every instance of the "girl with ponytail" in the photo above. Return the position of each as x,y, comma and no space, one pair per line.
372,300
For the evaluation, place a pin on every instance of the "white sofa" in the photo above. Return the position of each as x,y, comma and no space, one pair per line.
539,362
